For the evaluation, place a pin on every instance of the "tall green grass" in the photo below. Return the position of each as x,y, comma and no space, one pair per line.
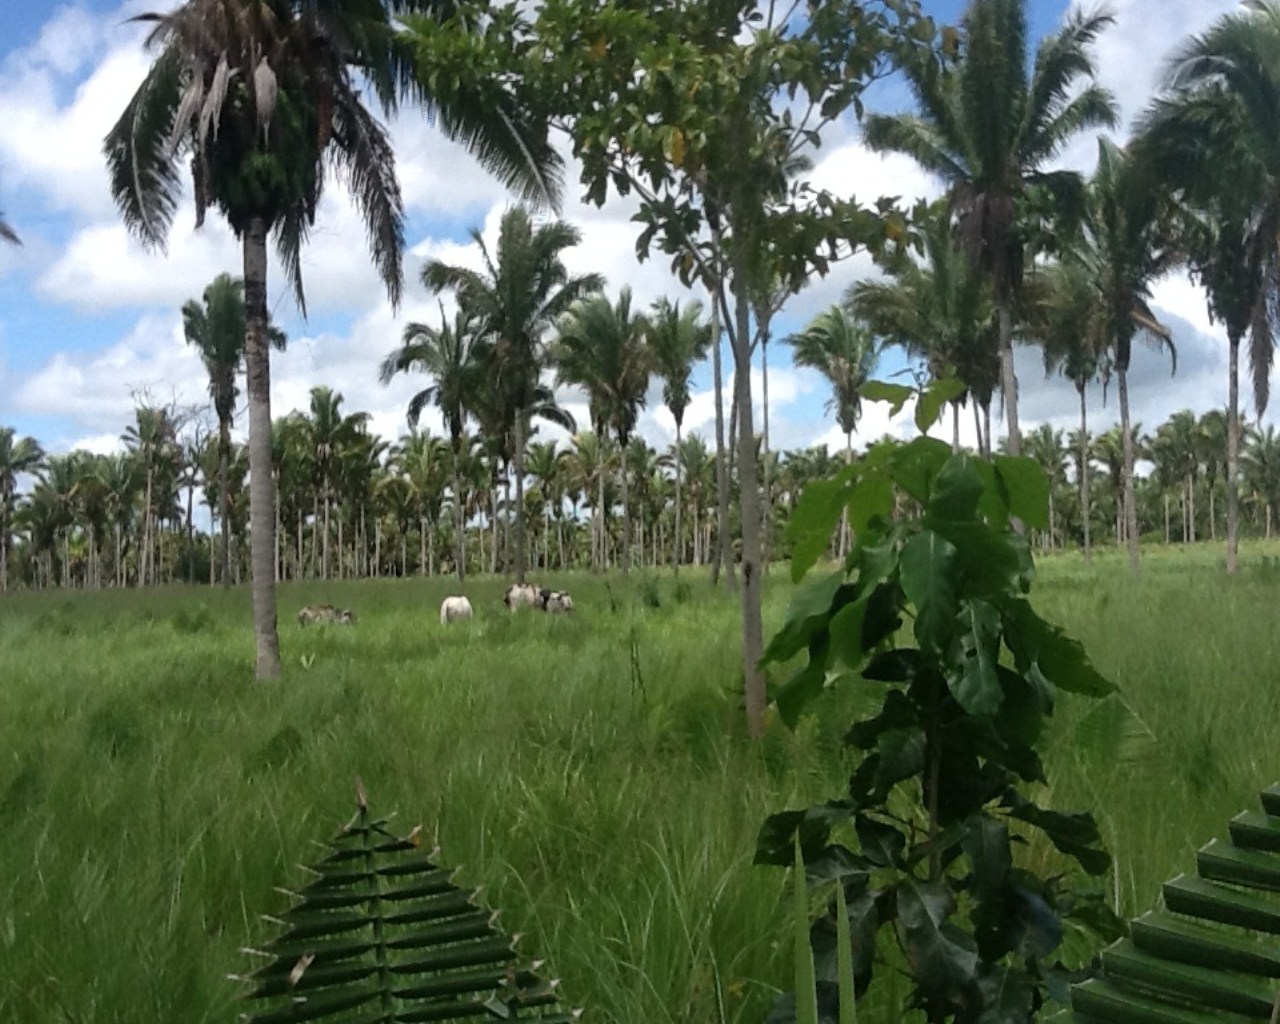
589,770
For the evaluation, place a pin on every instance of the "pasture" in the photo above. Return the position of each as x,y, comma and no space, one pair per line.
590,770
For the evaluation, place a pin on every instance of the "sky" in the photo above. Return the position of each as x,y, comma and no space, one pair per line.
90,322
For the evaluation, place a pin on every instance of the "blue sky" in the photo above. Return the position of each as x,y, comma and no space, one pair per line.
89,322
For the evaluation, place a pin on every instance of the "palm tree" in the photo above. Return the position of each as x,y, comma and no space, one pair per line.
216,328
1044,444
987,127
18,456
327,434
522,291
151,438
1261,464
444,352
1063,320
1125,249
602,348
843,350
940,311
260,97
1212,138
677,339
423,461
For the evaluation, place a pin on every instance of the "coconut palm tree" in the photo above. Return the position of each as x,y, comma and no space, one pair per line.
260,97
601,347
445,353
844,351
522,291
1261,465
678,339
987,127
18,456
1212,138
1062,318
327,434
940,311
425,463
1125,248
216,327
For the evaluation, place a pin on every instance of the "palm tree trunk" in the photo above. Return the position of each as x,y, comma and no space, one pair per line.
1213,515
4,541
1233,453
1084,474
324,543
955,426
846,541
604,558
1008,378
518,439
261,515
191,533
422,545
1130,503
722,475
1166,517
625,560
224,457
749,503
766,505
459,514
675,548
146,568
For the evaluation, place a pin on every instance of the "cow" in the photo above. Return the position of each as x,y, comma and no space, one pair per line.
521,595
327,614
554,601
454,608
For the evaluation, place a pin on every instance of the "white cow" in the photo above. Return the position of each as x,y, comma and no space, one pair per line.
554,601
521,595
454,608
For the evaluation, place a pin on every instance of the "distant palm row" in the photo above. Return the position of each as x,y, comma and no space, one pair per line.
354,505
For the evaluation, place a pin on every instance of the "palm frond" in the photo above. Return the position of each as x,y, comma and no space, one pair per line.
141,159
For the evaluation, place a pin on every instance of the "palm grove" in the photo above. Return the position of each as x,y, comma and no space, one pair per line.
710,130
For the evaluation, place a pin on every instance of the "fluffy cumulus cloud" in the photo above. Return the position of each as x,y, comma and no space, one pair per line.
62,92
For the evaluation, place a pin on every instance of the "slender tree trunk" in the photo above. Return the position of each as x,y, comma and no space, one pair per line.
422,546
298,568
983,453
676,551
955,426
1084,474
749,502
1233,454
324,543
600,528
1130,502
521,547
261,515
1008,378
275,502
4,541
146,567
766,526
625,560
1166,517
1213,515
1191,507
722,474
459,514
191,531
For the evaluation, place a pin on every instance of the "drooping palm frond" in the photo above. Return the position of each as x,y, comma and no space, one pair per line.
677,338
845,352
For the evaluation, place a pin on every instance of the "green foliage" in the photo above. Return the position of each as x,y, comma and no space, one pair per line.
922,843
381,925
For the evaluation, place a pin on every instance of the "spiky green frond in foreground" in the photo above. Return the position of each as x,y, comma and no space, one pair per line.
380,934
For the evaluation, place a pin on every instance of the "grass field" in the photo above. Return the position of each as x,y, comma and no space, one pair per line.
591,771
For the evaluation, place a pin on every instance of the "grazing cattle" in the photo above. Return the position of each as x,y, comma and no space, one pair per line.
325,613
521,595
454,608
554,601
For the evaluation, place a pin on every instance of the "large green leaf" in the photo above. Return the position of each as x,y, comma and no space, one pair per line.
1027,488
896,395
942,958
812,522
917,465
881,843
1040,647
933,398
870,498
972,676
807,614
927,572
803,687
957,489
1074,834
